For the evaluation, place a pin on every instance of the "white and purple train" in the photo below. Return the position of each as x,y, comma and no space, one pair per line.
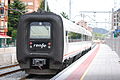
46,42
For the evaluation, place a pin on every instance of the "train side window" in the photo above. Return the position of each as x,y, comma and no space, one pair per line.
74,37
66,33
66,36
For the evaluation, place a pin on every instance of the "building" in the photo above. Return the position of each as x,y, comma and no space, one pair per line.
116,23
116,19
32,5
3,22
83,23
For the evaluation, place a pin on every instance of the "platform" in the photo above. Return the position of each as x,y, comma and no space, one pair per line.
101,63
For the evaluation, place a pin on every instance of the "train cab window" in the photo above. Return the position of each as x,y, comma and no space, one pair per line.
40,37
40,30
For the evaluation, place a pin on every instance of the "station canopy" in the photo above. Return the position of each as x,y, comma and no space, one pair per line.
4,36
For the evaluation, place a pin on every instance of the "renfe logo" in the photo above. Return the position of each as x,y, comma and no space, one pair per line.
42,45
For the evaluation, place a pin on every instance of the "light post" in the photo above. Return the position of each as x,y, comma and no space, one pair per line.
70,9
45,5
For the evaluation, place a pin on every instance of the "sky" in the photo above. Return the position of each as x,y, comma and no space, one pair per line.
59,6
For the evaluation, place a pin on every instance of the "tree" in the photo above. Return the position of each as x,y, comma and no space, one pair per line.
64,15
98,36
15,10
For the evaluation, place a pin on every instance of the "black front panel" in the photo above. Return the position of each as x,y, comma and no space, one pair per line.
38,45
40,37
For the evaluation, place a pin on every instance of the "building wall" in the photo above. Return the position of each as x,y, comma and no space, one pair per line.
32,5
3,16
83,23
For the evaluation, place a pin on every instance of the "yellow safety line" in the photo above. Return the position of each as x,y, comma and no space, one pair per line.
86,72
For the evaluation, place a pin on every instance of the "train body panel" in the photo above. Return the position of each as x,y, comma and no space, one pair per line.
76,48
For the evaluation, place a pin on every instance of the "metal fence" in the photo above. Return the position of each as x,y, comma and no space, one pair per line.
114,43
7,43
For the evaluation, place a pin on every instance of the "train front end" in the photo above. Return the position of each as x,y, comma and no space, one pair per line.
40,43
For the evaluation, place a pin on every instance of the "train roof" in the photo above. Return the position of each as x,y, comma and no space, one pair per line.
70,26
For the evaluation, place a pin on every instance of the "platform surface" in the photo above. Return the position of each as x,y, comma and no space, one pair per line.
101,63
105,66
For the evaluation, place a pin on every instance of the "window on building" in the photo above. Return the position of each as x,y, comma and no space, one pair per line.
1,10
25,3
2,1
115,23
2,4
30,3
2,23
29,10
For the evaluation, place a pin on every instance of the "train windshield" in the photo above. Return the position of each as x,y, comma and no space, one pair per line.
40,30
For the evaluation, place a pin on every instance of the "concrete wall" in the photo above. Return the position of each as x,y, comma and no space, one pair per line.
8,56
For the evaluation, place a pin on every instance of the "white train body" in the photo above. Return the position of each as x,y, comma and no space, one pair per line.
72,48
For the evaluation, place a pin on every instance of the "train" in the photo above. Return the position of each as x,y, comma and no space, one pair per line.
48,43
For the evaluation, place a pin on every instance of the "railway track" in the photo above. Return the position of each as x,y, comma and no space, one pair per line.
37,77
11,72
6,70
